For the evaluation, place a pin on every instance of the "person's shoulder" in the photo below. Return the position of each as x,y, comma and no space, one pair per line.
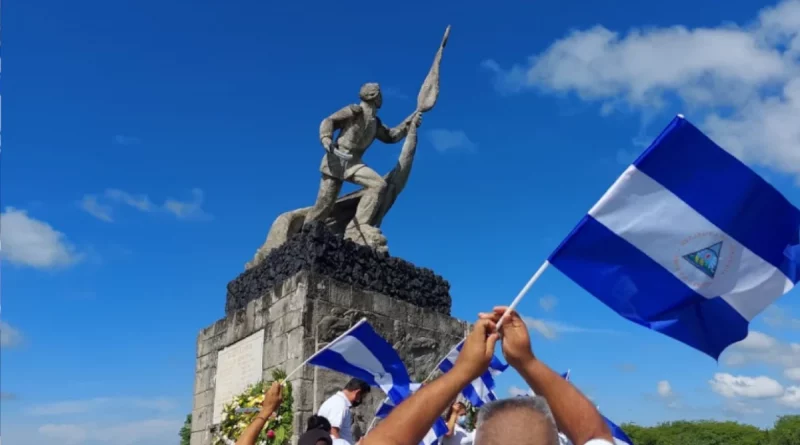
355,109
333,401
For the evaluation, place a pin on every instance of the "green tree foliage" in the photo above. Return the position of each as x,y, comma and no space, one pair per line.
186,430
786,431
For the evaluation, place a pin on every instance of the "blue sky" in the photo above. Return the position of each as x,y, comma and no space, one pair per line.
149,145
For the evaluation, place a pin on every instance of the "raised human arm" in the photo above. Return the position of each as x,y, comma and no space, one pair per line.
409,422
575,415
335,122
272,401
451,423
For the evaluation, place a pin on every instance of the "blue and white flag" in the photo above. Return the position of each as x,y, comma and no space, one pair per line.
689,242
388,405
438,429
620,438
362,353
480,390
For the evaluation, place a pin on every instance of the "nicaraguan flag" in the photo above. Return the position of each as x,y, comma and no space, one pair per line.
480,390
688,241
362,353
438,430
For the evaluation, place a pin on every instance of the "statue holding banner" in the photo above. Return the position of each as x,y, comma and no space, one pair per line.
357,216
358,127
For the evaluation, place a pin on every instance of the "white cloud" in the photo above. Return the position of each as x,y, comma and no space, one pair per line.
791,398
792,373
739,409
88,405
102,212
138,202
548,302
758,347
779,317
731,386
66,434
102,208
29,242
9,337
128,433
551,329
192,209
665,389
451,140
740,82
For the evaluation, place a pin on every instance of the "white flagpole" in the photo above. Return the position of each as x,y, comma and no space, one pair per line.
523,292
362,321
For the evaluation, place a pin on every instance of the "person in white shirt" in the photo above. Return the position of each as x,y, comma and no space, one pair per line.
457,433
521,420
337,409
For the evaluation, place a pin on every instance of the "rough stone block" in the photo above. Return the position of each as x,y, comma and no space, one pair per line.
383,305
201,418
200,438
275,351
362,300
341,295
303,393
260,313
203,399
294,343
211,345
204,380
205,362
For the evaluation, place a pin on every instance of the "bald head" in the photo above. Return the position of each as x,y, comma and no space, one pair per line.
521,421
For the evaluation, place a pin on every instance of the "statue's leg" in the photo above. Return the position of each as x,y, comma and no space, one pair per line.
329,188
374,190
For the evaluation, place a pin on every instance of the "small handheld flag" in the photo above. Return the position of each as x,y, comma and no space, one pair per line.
480,390
362,353
688,242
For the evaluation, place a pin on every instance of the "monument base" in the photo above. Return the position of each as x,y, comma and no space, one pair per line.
292,320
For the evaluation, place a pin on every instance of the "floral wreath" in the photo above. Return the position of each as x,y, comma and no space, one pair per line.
277,431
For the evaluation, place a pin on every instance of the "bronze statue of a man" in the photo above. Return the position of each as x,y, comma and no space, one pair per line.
358,127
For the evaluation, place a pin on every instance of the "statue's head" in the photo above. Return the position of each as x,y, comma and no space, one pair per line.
371,93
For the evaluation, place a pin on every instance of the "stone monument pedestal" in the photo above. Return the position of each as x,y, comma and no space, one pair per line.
276,320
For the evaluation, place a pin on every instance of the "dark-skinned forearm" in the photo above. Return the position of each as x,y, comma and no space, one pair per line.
574,413
410,421
250,434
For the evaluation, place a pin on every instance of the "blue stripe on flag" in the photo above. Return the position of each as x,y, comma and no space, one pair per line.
617,433
733,197
639,289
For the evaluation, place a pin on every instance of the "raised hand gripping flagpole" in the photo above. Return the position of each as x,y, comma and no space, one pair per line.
522,293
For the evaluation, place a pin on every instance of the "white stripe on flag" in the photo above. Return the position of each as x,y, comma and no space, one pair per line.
662,226
355,353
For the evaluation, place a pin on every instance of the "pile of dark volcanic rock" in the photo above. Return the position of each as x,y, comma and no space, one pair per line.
318,250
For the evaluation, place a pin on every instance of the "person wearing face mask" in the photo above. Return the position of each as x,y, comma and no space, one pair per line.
457,433
337,409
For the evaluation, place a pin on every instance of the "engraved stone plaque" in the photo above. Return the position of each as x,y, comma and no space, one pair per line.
238,366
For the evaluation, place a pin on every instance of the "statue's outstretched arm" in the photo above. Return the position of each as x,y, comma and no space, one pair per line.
393,135
335,122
